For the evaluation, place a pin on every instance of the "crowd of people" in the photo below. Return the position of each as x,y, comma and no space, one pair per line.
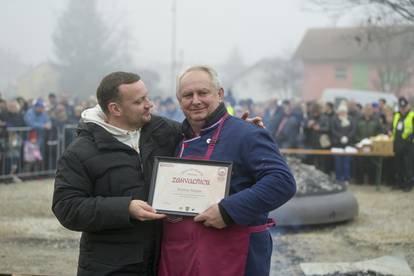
29,131
327,125
103,178
292,123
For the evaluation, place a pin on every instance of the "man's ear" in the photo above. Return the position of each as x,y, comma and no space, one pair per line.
114,109
221,94
178,96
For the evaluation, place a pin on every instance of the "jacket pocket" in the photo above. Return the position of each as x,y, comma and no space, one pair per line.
117,254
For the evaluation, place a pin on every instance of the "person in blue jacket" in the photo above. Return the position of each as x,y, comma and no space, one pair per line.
260,182
37,118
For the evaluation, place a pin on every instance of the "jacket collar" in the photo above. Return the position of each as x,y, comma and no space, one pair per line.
211,120
146,131
103,139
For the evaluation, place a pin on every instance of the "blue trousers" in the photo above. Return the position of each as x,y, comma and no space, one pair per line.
343,168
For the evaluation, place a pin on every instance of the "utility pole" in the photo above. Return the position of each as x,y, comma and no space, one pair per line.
173,44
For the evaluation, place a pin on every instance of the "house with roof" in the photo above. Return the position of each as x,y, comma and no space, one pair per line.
359,58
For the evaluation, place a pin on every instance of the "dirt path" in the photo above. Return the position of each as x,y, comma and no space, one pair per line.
32,241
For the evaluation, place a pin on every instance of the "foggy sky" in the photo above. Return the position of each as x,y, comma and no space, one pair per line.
207,31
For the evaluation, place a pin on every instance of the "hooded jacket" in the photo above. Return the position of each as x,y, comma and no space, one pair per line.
96,179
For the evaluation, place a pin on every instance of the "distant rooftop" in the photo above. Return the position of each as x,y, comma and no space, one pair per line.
356,43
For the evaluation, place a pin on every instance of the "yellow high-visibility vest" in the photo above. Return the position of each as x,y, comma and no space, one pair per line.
408,124
230,110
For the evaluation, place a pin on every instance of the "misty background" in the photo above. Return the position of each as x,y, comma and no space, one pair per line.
68,46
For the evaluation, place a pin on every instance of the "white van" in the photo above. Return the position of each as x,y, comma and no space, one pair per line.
363,97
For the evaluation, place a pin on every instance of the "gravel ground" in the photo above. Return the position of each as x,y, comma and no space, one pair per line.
33,242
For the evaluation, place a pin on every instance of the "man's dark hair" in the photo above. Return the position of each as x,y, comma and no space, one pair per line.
108,88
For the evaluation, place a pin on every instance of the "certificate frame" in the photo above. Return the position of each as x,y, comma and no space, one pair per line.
196,185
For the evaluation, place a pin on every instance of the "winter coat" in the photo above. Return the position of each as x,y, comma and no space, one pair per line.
338,131
96,179
366,128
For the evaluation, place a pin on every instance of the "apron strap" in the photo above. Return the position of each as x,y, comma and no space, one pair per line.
213,140
260,228
211,145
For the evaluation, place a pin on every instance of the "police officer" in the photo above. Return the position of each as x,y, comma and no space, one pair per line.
402,130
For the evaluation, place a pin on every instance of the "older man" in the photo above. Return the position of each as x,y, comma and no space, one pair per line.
231,237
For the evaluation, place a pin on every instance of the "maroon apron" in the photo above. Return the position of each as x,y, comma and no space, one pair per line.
189,248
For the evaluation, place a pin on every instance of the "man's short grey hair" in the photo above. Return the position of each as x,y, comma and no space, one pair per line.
203,68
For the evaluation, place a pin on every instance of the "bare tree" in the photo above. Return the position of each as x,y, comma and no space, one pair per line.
402,9
394,46
387,29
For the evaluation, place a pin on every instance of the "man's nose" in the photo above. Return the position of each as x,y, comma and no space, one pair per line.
196,99
149,104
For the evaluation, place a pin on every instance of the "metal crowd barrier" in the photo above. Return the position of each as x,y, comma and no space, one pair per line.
21,159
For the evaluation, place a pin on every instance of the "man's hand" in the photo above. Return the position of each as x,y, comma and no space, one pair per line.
211,217
258,121
142,211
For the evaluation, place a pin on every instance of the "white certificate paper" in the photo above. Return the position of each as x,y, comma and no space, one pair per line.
188,187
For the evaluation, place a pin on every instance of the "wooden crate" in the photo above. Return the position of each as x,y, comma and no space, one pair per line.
383,146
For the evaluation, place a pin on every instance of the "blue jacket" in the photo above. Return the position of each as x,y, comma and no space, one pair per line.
36,120
261,181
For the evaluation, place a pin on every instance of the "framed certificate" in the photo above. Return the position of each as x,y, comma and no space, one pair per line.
188,187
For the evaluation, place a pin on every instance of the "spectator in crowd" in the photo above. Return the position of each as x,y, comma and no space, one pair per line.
287,126
37,118
67,103
24,106
377,113
14,118
172,111
367,126
3,111
53,102
329,113
59,119
329,110
343,133
157,105
3,131
14,138
269,113
247,106
32,154
69,130
317,130
354,109
403,134
230,102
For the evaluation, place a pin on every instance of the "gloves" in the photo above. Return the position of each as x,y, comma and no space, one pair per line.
344,140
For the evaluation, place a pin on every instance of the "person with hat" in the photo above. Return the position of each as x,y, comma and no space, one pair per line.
343,134
37,118
403,134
